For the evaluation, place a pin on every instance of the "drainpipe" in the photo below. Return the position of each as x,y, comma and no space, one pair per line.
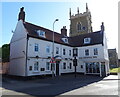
84,68
26,56
100,69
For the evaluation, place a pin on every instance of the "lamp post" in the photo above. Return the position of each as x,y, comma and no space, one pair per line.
75,53
53,49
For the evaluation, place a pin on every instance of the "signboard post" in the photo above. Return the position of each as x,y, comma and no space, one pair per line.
52,61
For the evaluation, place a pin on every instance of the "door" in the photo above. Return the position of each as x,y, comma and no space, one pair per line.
103,70
57,68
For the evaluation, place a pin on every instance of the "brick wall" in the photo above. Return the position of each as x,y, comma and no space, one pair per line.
4,67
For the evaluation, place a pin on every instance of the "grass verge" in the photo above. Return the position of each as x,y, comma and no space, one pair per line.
115,70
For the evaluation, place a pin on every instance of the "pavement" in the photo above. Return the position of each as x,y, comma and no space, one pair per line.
63,85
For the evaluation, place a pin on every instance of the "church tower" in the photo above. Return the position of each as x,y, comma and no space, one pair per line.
80,23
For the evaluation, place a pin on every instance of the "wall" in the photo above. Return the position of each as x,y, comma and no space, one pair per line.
4,67
18,50
43,56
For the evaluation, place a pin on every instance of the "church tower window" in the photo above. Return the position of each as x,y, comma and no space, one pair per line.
79,26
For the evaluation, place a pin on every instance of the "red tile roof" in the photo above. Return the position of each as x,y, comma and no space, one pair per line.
76,41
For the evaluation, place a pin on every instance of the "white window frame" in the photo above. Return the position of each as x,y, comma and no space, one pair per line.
64,51
65,40
87,40
86,53
36,69
57,50
64,65
41,33
95,51
70,52
48,49
69,65
48,64
36,47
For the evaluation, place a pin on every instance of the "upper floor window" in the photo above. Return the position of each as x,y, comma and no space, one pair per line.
47,66
36,66
69,52
48,49
57,50
63,51
95,51
36,47
87,52
87,40
79,26
64,65
41,33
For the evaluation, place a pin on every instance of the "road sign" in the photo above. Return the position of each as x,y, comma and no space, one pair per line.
52,60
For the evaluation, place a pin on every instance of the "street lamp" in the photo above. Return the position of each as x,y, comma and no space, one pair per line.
75,54
53,49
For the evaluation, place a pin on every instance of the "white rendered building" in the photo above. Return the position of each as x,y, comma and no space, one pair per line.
31,51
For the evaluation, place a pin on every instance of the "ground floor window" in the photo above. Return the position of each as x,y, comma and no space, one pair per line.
64,65
47,66
36,66
70,65
92,67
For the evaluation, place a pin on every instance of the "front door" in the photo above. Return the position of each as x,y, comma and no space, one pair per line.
57,67
103,70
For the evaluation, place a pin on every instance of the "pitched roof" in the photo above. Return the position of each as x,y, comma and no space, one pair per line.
96,38
32,32
76,41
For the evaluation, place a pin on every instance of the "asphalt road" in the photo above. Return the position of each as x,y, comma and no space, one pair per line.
63,85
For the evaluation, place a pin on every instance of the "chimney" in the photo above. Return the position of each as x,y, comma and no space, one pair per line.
21,15
64,31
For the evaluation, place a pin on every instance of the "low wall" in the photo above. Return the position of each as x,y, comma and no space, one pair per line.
4,67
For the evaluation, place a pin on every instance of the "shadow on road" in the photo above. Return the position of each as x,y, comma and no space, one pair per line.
48,85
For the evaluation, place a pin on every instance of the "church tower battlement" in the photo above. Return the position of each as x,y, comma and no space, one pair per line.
80,23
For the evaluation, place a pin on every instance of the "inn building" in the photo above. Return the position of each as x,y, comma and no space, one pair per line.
31,48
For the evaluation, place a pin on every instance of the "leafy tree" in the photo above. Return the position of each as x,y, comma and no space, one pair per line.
5,52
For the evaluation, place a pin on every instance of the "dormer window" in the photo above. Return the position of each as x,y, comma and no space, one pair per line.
65,40
41,33
87,40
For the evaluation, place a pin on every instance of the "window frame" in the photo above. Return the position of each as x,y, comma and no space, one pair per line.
36,47
64,65
86,52
70,52
64,51
57,50
41,33
48,49
95,51
36,69
70,65
87,40
79,26
48,64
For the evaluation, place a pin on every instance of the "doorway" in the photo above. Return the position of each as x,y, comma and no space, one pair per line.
57,68
103,70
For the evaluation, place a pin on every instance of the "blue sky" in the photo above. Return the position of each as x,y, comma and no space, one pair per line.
39,13
44,14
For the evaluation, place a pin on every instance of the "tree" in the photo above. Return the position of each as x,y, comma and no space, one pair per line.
5,52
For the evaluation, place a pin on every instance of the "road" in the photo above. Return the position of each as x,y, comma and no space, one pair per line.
64,85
